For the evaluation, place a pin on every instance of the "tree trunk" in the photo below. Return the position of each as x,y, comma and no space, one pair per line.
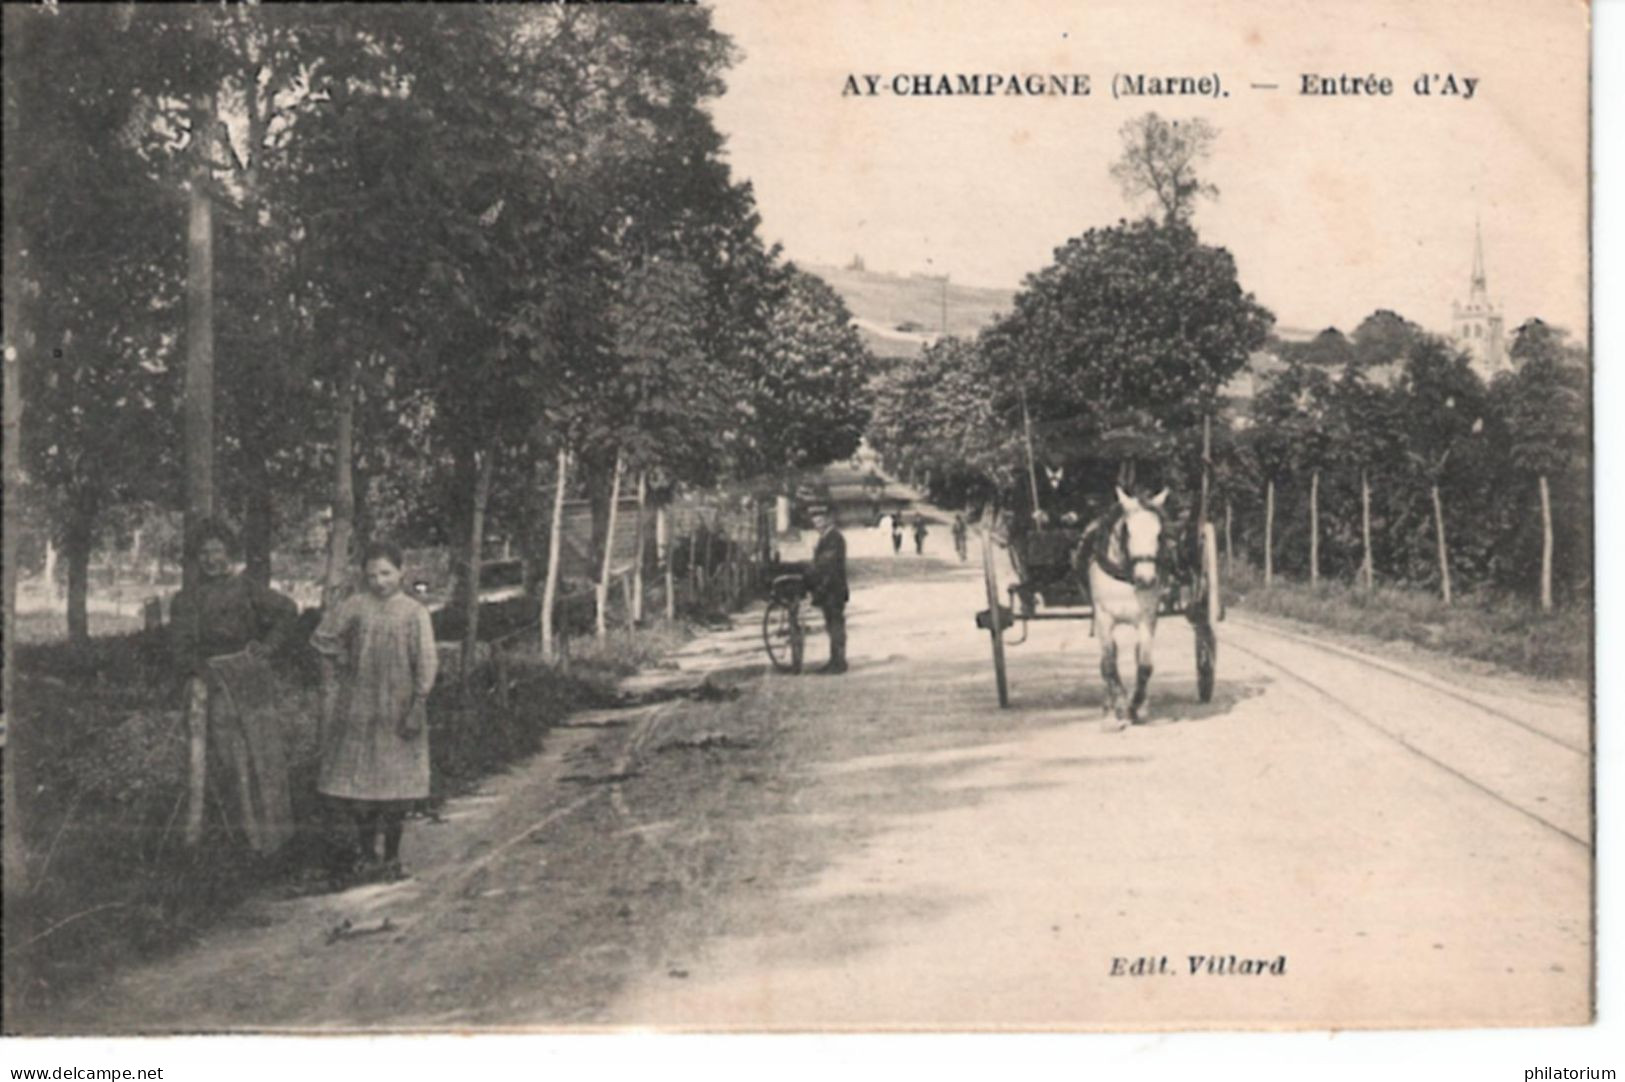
596,480
1444,549
1229,552
555,542
338,541
259,513
602,625
77,541
471,566
338,538
364,528
259,521
15,870
49,573
1545,545
1207,462
705,563
1365,528
637,559
198,406
1269,533
1314,528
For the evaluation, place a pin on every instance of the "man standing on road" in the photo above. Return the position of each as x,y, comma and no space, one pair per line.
919,534
959,535
827,581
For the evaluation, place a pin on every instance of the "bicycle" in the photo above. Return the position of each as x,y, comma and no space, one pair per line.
788,626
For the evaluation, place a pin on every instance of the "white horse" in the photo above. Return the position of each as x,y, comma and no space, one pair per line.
1124,589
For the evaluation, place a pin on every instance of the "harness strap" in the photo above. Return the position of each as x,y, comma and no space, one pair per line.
1120,570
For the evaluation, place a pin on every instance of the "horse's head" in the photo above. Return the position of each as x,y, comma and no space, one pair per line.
1141,535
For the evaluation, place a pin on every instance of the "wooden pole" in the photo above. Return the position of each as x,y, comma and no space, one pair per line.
471,571
1314,528
663,554
1545,545
1027,438
1269,532
1207,465
990,575
338,540
637,559
1444,549
555,542
1365,527
602,626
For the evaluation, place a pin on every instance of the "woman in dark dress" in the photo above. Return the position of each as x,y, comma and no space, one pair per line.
223,630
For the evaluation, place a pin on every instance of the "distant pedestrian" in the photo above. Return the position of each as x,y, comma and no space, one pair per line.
896,532
919,534
376,758
959,535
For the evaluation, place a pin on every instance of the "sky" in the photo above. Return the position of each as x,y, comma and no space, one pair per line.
1332,206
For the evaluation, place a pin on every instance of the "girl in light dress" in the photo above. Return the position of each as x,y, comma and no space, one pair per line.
375,758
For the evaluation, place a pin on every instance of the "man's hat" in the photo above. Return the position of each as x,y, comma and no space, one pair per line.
818,509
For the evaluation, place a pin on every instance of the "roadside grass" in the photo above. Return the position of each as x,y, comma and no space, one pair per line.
100,741
1505,631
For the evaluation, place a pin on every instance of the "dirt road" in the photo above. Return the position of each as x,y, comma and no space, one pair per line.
888,849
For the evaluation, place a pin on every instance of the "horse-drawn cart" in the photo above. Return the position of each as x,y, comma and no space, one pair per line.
1132,563
1052,583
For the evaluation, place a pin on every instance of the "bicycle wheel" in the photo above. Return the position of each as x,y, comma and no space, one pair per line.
781,634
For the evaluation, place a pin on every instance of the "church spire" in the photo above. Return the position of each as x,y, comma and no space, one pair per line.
1480,286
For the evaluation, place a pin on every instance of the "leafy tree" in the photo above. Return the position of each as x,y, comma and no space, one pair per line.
1329,349
102,271
1361,438
1160,158
1543,404
1293,409
1383,338
934,415
1135,317
807,403
1132,327
1440,407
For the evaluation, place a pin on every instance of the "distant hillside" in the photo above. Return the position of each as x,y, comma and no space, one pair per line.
898,315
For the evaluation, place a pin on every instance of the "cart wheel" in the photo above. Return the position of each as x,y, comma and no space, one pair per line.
781,634
1207,660
1209,613
990,577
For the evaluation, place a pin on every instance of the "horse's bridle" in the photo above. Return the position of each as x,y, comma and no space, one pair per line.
1130,561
